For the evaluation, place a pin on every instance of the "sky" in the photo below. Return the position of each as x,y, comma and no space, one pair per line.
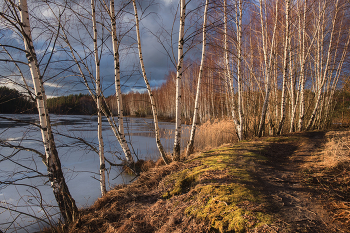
156,23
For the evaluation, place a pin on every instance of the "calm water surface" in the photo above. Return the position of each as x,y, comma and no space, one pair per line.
80,164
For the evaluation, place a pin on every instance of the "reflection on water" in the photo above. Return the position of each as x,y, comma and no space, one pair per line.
80,164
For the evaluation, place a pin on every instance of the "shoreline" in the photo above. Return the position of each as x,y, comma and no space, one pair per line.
232,188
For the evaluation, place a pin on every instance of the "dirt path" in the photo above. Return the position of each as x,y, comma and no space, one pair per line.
299,206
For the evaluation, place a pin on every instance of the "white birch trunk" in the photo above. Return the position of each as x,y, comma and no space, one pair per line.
240,127
99,104
61,192
179,70
195,120
285,69
267,63
153,104
322,72
229,78
118,92
109,116
302,31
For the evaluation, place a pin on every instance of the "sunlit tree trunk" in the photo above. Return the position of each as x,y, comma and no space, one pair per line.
267,60
239,13
99,104
285,69
61,192
228,78
303,58
333,86
194,121
179,72
322,71
153,104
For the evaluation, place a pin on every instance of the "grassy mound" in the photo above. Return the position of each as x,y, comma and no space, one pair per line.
221,189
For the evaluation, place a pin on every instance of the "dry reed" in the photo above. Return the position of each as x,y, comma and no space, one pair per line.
337,149
215,133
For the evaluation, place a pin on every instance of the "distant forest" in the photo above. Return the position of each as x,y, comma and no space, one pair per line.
12,101
72,105
137,104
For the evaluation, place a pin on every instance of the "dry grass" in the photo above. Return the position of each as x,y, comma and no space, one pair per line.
337,149
215,133
331,169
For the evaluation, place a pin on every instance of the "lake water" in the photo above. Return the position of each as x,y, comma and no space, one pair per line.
79,163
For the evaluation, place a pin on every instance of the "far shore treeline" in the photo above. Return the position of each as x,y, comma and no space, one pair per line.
137,104
12,101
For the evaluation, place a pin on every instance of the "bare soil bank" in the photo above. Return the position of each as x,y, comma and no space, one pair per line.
273,184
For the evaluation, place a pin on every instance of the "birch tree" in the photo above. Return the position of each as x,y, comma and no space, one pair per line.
179,72
229,78
322,63
195,113
239,14
61,192
286,55
85,73
267,57
236,106
99,103
153,104
302,41
115,44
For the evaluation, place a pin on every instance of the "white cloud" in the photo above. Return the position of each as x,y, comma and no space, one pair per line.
54,85
14,81
168,2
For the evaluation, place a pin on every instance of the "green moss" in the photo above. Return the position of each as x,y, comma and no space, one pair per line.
224,206
183,182
282,139
255,156
222,188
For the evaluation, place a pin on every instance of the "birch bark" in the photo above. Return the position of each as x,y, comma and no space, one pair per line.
239,14
179,70
285,69
267,61
229,78
109,116
99,104
153,104
196,105
322,72
302,31
61,192
115,44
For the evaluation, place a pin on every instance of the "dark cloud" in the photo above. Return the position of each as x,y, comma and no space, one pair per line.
156,25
